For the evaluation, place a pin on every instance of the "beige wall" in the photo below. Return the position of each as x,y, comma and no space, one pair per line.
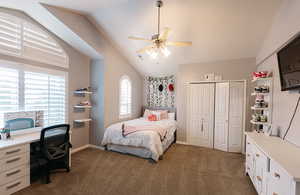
114,66
285,26
78,76
230,70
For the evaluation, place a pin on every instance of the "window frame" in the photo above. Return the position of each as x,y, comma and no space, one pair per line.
22,67
129,114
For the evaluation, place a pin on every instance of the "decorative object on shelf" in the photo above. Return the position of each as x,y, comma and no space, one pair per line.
156,93
261,89
209,77
84,103
5,134
261,74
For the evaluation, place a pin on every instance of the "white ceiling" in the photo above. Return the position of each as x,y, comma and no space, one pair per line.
219,29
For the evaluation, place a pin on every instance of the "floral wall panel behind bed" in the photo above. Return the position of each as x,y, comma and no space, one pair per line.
160,91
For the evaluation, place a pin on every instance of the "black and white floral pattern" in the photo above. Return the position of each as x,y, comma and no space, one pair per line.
157,98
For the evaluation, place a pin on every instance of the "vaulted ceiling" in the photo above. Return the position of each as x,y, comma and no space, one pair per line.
219,29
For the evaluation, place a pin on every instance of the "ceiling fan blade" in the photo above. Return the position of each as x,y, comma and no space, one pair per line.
138,38
179,43
164,36
144,49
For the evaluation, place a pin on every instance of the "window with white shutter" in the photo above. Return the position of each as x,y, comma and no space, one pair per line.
125,97
48,93
27,88
9,90
18,37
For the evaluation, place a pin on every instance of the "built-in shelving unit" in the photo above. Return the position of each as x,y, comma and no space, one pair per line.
263,111
82,108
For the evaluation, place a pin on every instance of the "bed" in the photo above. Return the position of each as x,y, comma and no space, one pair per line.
145,144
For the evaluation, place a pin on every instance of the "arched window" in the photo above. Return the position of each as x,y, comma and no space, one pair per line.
125,97
21,38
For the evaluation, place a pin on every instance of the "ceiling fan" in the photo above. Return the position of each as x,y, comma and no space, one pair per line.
159,41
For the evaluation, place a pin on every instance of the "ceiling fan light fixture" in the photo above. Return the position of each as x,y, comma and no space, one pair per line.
152,53
165,51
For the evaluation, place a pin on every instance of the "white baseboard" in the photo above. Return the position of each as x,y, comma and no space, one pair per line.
183,143
79,149
96,147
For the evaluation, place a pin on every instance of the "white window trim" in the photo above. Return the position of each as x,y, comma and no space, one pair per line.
26,67
125,116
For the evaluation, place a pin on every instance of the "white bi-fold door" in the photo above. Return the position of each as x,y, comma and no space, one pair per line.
221,116
200,114
229,116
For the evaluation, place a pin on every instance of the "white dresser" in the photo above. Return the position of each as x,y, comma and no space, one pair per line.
273,165
14,168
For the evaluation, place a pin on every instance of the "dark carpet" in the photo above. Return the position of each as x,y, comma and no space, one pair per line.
184,170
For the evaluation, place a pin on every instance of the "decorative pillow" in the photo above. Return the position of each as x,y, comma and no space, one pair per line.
163,114
157,114
171,116
146,113
152,117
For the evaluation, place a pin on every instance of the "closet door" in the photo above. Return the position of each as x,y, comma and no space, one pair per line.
221,116
200,115
236,116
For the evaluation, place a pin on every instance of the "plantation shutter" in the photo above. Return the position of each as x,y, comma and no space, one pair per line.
45,92
10,35
125,97
39,45
9,90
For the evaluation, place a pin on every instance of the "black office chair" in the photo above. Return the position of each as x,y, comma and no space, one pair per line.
51,153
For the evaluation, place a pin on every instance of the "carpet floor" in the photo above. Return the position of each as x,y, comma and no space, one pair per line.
184,170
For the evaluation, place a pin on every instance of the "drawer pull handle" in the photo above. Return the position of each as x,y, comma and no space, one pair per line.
13,185
13,173
13,151
277,175
13,160
259,178
248,143
257,155
275,193
248,154
248,168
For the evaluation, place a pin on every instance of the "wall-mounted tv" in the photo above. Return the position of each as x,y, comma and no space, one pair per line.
289,65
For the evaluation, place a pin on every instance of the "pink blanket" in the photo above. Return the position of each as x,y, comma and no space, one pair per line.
128,129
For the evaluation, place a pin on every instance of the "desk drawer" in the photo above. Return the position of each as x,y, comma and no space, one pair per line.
13,174
280,181
13,151
15,186
14,161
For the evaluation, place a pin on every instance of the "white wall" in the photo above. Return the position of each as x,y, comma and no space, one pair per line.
285,26
230,70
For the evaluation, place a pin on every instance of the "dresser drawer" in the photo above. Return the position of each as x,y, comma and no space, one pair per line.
13,151
280,181
15,186
13,174
14,161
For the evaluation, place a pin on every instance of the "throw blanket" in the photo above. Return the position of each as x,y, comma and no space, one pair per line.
128,129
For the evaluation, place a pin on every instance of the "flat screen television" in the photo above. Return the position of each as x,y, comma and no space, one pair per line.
289,65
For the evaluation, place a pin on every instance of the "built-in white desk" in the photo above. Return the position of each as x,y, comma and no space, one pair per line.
15,160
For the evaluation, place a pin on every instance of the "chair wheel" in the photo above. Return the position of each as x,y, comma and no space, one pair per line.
68,169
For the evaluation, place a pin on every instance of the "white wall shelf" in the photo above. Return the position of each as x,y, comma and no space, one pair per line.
255,94
83,92
262,79
82,106
259,123
83,120
256,108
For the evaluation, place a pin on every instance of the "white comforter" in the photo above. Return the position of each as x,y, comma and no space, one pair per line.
145,139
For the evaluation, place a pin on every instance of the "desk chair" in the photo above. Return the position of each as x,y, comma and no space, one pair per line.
52,152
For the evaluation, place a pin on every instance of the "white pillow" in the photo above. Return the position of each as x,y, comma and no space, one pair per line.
171,115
